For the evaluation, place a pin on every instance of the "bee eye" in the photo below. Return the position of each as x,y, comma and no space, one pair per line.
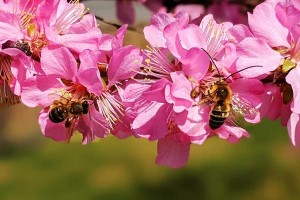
85,107
222,93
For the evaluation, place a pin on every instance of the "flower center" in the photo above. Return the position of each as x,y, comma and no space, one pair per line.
38,40
157,65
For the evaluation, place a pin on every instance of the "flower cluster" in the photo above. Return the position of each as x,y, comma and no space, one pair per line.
194,81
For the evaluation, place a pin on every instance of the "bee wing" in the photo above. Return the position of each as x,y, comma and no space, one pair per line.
57,95
53,96
241,106
70,126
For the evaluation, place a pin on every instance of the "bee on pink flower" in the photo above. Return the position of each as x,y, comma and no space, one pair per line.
183,87
81,94
67,95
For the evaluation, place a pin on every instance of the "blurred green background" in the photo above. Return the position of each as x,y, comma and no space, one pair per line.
34,167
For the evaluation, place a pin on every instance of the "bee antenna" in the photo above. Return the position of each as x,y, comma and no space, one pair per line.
242,70
213,63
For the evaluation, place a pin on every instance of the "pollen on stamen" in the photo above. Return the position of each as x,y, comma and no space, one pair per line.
27,15
73,12
156,66
110,108
215,35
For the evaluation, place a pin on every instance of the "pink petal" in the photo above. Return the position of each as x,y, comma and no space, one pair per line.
133,91
81,41
9,27
55,131
123,130
192,36
86,23
239,32
36,90
105,44
88,74
195,63
271,99
91,125
195,124
154,36
256,52
296,3
152,121
161,20
285,113
90,79
154,32
171,34
287,15
231,133
157,91
248,92
123,64
265,25
178,93
118,39
59,62
228,59
293,78
294,128
173,151
252,86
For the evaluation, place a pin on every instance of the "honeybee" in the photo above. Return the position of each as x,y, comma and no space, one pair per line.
220,94
68,110
224,102
20,44
227,104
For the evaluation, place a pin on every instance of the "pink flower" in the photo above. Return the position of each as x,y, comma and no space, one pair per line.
294,128
69,25
32,25
177,95
244,102
173,150
273,42
13,70
67,95
154,33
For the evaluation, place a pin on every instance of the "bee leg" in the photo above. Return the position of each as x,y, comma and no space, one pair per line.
70,125
201,102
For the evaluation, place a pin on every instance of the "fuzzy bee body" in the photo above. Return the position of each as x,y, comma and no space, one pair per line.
220,94
68,110
23,46
58,114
